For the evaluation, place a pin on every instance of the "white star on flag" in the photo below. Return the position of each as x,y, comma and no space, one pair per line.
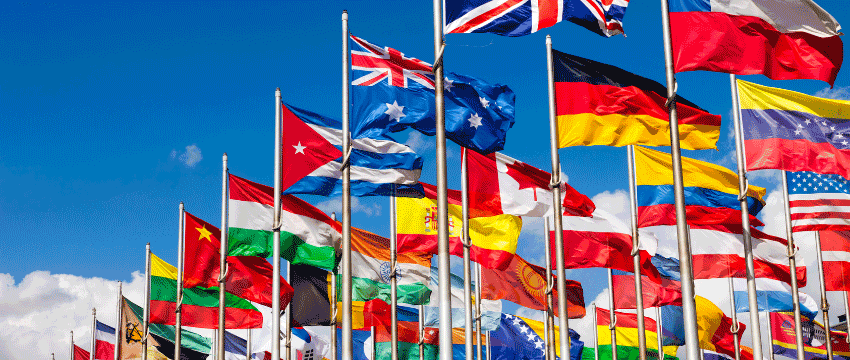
448,84
530,336
516,321
484,102
538,344
523,329
475,121
394,110
299,149
797,132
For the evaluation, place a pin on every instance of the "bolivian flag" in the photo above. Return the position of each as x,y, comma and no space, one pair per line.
200,305
627,337
600,104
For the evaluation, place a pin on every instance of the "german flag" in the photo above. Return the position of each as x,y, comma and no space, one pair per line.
600,104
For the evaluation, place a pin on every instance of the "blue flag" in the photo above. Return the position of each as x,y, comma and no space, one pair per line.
393,92
515,340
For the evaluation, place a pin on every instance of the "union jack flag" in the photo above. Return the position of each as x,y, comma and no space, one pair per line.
390,64
523,17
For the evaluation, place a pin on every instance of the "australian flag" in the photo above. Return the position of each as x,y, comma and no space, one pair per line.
392,92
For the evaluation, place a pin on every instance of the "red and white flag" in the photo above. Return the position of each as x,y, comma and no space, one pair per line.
835,248
104,343
503,185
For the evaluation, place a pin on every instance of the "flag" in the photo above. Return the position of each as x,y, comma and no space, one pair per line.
519,338
491,310
311,304
502,185
393,92
248,277
781,39
520,17
835,249
602,241
307,236
711,192
310,343
667,292
493,236
81,354
199,306
718,252
814,338
791,131
378,314
361,344
104,340
818,201
372,270
525,285
672,325
627,336
714,328
312,158
160,338
600,104
772,296
235,348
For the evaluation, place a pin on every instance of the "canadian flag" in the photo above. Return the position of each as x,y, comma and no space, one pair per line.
500,184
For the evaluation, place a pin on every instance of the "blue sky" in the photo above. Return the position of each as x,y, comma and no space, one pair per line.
112,113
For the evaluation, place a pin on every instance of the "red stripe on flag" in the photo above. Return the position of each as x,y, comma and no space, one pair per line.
547,12
835,241
797,155
819,202
665,214
820,215
820,227
485,17
162,312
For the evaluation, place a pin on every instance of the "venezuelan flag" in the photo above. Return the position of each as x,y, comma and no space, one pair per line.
600,104
711,192
627,337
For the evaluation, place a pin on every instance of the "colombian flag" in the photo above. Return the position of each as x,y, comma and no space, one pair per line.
600,104
494,236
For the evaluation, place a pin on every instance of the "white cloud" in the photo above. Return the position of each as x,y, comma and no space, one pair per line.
773,214
839,93
616,203
190,157
369,207
420,143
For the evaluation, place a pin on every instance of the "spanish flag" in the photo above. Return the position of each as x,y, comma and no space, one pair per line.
494,236
600,104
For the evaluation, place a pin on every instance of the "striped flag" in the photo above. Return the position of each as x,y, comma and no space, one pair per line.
818,201
835,247
104,344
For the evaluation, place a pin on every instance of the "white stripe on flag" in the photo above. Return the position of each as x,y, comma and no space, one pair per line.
334,136
836,256
819,196
819,209
373,269
250,215
375,176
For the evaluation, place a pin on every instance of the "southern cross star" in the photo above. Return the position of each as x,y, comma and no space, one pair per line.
395,111
475,121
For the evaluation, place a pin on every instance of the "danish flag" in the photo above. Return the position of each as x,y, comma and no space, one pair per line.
390,64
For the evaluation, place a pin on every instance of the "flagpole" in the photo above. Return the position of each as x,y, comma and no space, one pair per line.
489,348
478,312
118,327
248,350
222,278
93,332
467,276
824,303
347,349
658,331
276,232
755,324
421,332
612,316
550,318
595,332
147,313
287,320
792,262
393,279
556,201
685,266
333,309
735,328
72,345
178,316
769,335
636,252
846,315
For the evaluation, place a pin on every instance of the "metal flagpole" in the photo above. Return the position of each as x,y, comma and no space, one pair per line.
287,320
72,345
636,252
347,349
550,317
372,335
612,316
147,302
248,347
93,332
442,189
214,348
333,309
478,284
222,277
467,274
685,266
735,328
178,316
792,262
421,332
755,324
276,232
595,332
489,348
546,338
824,303
769,334
846,315
556,201
393,280
659,328
118,327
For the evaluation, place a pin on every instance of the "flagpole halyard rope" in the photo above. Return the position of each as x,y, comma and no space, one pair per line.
672,98
223,277
439,62
346,160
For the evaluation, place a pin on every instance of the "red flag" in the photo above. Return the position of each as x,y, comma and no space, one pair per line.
525,285
668,292
503,185
304,149
835,248
81,354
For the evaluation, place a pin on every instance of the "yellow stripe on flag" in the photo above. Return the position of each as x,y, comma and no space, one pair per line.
357,320
629,337
709,318
622,130
160,268
655,168
760,97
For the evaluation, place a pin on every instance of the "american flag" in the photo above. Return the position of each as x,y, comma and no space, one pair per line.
818,201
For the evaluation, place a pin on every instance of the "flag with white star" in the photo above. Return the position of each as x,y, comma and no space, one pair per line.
818,201
519,338
392,92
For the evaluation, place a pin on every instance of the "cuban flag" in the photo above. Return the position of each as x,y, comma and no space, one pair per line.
104,337
523,17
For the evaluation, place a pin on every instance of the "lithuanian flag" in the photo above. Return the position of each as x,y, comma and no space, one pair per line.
627,337
600,104
200,305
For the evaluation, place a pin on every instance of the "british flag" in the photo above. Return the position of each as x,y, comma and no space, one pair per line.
523,17
388,64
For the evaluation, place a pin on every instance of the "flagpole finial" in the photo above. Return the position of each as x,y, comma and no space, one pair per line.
224,157
277,89
93,311
345,14
548,39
